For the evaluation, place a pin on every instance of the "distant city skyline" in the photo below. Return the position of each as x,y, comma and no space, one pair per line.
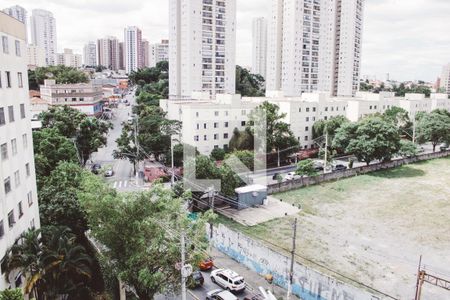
405,38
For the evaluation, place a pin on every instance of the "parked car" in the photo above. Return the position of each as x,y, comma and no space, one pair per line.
220,295
275,176
206,264
228,280
339,167
443,146
95,168
130,120
109,172
292,176
195,280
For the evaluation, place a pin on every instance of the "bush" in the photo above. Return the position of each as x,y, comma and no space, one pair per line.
15,294
218,154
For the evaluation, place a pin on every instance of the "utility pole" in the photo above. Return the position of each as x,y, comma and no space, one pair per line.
136,143
183,259
414,129
211,205
418,283
278,153
326,148
171,155
291,271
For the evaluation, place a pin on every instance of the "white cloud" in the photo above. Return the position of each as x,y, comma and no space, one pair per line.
406,38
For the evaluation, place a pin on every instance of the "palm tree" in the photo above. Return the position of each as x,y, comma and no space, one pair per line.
52,262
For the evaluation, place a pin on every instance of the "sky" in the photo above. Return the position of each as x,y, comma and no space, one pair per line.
409,39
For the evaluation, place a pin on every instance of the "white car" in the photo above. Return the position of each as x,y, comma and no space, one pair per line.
220,295
292,176
228,280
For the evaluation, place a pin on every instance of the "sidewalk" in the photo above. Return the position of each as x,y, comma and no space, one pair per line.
254,281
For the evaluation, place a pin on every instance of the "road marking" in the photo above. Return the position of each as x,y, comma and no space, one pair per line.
120,184
125,183
115,184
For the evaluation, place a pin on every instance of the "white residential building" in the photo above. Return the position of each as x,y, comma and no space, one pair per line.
85,97
18,195
259,55
108,52
134,56
90,54
43,33
159,52
445,79
314,45
207,123
69,59
202,46
17,12
36,56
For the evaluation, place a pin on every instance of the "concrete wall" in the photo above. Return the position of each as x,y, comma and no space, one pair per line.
308,284
306,181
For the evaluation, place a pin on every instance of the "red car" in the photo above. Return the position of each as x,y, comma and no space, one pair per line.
206,264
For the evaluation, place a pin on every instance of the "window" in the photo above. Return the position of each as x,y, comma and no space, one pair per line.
326,108
243,112
16,178
216,125
226,124
5,44
196,114
2,116
216,113
205,137
32,223
198,126
20,208
242,123
307,119
2,232
216,136
17,48
7,185
14,146
30,198
225,135
25,141
11,113
11,220
4,151
204,125
314,109
307,109
306,137
196,138
27,169
306,128
19,79
8,79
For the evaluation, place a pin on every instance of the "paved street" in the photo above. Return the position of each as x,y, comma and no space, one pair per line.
123,179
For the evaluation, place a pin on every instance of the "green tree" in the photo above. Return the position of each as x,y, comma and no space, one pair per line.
62,75
241,140
229,181
245,156
154,81
178,154
434,128
218,154
369,139
52,263
63,118
331,125
146,99
306,168
408,149
51,148
141,235
11,294
249,85
400,118
205,167
91,136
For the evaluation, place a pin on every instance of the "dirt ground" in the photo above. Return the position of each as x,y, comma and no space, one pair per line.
373,228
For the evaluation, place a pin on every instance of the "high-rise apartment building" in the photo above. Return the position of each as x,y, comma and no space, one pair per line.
90,54
314,45
134,57
444,82
36,56
259,39
146,53
202,46
18,195
121,56
69,59
159,52
43,33
108,52
17,12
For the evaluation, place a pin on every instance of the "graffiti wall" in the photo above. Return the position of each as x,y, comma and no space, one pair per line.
308,283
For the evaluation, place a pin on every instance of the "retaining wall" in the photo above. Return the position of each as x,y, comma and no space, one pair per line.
308,284
306,181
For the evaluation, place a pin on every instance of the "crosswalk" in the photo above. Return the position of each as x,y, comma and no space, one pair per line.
118,184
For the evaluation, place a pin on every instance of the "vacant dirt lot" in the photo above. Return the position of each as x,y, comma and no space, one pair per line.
373,228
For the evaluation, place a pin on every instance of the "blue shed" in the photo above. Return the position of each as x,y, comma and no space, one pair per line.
250,195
